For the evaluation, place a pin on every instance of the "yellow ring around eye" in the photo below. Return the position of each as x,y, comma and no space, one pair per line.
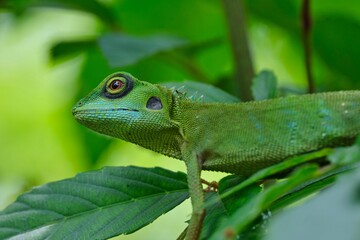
116,85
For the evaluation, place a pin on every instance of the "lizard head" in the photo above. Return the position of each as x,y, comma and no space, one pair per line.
127,108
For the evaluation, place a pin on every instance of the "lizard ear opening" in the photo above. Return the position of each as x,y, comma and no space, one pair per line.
154,103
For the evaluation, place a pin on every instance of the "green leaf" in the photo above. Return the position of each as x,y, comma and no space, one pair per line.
221,208
121,50
233,202
230,181
214,213
264,85
203,92
94,205
334,214
253,208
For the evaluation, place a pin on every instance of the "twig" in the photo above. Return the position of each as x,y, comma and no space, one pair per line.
244,72
211,186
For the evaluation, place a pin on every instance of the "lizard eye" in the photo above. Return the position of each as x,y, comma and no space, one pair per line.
116,85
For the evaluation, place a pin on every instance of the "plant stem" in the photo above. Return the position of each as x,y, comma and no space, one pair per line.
244,72
306,34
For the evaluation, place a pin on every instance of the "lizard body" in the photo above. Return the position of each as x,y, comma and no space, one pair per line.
238,138
243,138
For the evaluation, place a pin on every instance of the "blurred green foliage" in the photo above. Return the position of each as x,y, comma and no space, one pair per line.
52,52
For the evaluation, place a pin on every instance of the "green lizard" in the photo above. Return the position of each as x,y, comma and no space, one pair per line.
238,138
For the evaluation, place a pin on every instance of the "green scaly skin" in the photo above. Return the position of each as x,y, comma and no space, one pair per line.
238,138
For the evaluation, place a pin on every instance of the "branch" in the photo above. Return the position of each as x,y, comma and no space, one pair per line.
244,72
306,34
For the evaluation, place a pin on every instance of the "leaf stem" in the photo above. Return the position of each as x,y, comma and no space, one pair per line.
244,72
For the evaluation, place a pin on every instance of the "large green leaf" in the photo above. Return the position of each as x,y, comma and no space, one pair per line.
121,50
94,205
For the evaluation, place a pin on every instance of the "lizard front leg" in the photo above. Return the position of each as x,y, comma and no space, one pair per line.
194,164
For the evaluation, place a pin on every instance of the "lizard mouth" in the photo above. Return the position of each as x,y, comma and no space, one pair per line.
83,112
